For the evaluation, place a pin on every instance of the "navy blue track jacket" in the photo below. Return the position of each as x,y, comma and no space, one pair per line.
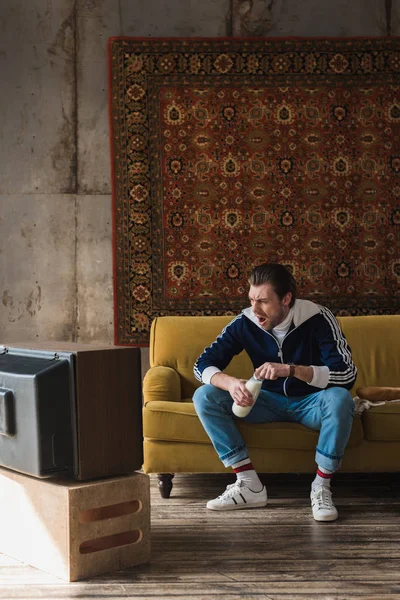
314,339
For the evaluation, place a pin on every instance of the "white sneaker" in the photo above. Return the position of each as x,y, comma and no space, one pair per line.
321,503
238,495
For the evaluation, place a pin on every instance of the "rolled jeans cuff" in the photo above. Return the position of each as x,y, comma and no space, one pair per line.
234,456
328,461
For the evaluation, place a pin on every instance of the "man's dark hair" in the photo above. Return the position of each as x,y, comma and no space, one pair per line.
278,276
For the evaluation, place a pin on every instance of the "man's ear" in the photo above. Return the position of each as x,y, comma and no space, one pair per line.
287,298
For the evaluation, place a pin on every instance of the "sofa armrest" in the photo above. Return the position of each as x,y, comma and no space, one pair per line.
161,383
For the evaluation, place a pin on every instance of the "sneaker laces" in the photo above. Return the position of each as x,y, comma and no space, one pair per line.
231,490
323,498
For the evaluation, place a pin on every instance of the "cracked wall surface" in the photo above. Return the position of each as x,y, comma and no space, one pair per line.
55,203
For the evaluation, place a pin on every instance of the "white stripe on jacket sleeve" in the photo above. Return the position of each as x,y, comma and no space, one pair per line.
200,374
340,377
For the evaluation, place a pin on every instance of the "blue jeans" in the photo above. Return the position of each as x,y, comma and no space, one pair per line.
329,411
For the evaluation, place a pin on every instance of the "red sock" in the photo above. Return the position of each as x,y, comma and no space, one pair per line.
247,467
246,473
324,475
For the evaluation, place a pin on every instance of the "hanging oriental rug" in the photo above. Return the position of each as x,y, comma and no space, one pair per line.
227,153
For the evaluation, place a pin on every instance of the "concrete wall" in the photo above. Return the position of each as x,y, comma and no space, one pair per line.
55,203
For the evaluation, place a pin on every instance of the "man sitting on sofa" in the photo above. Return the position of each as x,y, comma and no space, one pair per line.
299,351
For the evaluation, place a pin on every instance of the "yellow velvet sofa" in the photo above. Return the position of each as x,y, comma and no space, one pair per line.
175,441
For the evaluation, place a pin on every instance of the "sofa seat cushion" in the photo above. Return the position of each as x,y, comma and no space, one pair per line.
178,422
382,423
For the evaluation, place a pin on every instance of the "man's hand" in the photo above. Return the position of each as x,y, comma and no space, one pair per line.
236,387
240,393
271,370
275,370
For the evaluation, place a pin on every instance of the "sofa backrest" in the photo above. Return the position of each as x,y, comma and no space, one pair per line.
374,340
375,346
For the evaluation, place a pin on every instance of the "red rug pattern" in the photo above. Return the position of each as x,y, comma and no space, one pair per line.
231,152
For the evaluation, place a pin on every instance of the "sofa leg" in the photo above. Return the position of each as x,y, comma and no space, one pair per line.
165,484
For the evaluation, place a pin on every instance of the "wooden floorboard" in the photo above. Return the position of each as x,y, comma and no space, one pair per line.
275,553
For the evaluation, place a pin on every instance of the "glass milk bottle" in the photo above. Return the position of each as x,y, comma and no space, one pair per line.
254,387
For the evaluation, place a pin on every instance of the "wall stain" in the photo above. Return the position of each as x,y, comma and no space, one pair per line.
67,333
89,5
7,299
64,43
251,17
44,22
26,233
28,306
34,302
388,10
64,151
228,21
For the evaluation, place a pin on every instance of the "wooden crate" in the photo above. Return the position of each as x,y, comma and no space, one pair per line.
75,530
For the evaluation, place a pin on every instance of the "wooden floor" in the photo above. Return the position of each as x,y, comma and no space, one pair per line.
277,553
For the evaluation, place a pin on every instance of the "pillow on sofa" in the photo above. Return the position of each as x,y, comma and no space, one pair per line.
378,394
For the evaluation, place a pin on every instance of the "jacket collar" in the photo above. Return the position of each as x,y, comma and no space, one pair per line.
302,311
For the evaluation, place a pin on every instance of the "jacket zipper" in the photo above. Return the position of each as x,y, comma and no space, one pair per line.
280,353
285,382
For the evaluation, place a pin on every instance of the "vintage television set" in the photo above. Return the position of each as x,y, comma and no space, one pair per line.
70,409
